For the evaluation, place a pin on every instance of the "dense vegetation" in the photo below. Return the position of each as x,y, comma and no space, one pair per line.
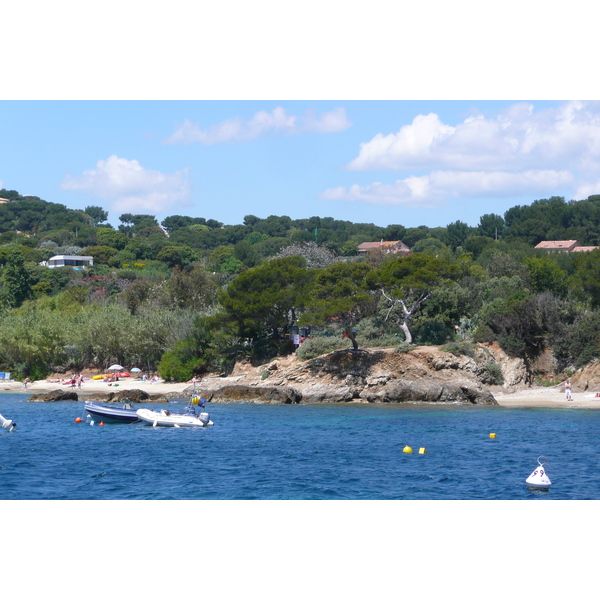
191,295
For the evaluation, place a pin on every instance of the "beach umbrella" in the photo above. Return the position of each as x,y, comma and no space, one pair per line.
135,370
115,368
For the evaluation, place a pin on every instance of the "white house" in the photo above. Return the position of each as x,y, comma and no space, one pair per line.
65,260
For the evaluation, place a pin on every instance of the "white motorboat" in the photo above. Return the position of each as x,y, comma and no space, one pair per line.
167,418
7,424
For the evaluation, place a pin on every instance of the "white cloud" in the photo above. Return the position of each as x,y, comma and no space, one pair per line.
129,187
517,152
587,188
518,138
277,121
429,191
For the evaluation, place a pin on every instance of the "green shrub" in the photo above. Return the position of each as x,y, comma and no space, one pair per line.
492,374
403,348
459,348
182,362
513,345
434,332
318,346
483,334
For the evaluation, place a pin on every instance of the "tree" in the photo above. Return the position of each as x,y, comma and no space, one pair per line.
491,226
251,220
176,255
587,277
112,238
100,254
521,322
175,222
429,245
476,244
195,289
17,280
133,224
264,301
96,214
394,233
457,233
407,282
339,293
316,256
544,274
190,356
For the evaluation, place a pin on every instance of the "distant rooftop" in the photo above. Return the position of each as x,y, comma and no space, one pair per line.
564,246
584,248
558,245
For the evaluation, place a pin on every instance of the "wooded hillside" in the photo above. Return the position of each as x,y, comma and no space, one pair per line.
190,295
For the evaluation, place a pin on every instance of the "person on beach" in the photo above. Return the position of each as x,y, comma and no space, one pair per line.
568,390
25,382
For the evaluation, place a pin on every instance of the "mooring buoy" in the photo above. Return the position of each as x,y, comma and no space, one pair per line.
539,478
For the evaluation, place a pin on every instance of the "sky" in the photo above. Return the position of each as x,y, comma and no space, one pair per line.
366,161
414,115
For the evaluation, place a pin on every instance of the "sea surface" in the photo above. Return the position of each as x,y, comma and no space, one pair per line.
301,452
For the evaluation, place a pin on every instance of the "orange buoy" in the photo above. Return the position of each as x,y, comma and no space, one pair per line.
78,420
101,424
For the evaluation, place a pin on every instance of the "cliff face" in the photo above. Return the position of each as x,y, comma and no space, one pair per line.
424,374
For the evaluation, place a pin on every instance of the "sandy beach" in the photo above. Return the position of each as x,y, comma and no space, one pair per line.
537,397
94,386
543,397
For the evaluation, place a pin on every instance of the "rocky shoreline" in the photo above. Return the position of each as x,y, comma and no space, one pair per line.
377,375
424,375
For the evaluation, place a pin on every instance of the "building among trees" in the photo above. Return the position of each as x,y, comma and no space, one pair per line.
386,247
564,246
65,260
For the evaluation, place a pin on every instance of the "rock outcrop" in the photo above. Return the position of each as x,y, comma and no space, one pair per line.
132,396
268,395
588,378
54,396
380,375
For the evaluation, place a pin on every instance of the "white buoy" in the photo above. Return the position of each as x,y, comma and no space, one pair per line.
539,478
7,424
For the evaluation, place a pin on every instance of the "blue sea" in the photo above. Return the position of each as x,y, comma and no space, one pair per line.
301,452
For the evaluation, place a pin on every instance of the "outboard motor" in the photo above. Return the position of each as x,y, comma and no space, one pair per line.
204,417
7,424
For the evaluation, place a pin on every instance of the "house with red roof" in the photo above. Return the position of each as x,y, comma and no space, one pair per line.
564,246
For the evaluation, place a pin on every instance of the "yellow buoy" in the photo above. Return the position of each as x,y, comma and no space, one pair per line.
195,400
407,449
422,451
493,436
